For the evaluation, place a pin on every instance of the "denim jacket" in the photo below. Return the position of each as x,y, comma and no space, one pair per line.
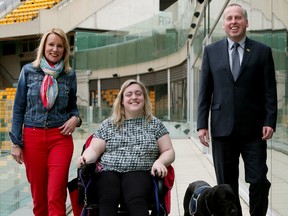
28,108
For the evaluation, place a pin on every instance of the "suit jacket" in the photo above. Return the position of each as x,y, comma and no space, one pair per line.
243,106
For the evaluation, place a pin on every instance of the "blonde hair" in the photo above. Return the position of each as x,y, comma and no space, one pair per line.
41,48
118,112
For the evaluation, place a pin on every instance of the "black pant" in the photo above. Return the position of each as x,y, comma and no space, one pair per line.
226,152
135,188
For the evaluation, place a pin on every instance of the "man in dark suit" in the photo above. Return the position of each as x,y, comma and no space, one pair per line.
243,108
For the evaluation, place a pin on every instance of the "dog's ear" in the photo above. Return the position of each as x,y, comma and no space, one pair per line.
223,200
210,200
228,195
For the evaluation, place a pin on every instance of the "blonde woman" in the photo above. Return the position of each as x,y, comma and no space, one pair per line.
131,146
45,104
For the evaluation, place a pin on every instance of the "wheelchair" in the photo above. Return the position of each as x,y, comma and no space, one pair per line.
83,200
86,197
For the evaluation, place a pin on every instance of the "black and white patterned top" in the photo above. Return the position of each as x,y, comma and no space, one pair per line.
131,147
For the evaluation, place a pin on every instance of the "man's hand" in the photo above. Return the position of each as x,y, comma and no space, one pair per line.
267,133
203,135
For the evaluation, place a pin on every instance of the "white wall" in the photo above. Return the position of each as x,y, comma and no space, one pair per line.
122,13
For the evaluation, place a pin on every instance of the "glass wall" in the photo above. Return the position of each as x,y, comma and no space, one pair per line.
158,93
267,25
154,38
173,91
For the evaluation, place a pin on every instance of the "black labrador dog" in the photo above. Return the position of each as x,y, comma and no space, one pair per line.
201,199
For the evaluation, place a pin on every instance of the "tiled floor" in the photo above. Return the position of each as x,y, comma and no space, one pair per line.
190,165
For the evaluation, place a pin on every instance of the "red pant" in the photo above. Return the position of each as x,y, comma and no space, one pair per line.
47,156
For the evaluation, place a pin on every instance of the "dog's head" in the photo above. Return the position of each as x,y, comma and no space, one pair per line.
221,201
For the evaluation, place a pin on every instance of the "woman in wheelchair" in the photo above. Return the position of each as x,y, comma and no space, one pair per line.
130,146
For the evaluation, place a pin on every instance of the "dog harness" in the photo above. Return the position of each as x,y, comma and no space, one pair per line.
194,198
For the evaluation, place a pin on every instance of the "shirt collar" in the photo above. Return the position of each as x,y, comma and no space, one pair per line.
241,43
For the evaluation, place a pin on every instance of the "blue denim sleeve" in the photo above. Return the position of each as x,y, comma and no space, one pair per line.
72,108
19,109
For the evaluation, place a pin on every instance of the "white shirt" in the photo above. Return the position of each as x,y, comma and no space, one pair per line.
240,50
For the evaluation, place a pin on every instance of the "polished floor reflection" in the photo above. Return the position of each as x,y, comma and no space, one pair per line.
191,164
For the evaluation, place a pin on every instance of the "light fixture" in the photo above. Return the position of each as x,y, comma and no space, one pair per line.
190,36
115,75
150,69
196,14
186,131
177,126
193,25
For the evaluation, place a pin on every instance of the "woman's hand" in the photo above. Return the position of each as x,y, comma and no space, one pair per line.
159,169
69,126
81,161
166,157
17,153
92,153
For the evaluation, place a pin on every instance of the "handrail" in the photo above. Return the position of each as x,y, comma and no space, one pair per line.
62,4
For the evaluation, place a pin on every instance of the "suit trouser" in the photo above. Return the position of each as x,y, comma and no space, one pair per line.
47,156
226,152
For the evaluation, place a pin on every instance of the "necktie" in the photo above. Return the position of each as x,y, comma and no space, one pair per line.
235,61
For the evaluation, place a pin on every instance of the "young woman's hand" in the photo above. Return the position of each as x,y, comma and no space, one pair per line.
159,169
69,126
81,161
